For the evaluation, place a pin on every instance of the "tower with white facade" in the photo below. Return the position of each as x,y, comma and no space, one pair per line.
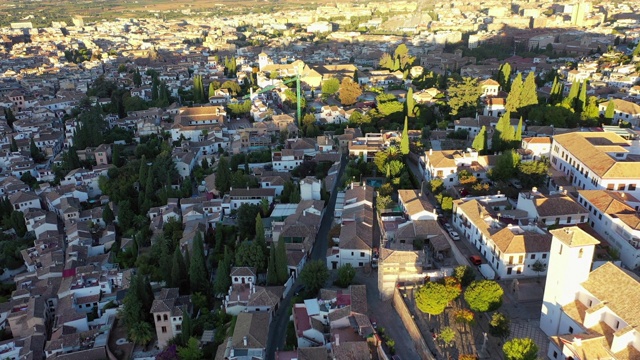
570,261
263,60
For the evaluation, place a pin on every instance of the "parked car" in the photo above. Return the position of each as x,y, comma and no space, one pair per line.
454,235
516,183
448,227
475,259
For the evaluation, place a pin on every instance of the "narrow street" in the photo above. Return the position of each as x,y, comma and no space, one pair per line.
278,327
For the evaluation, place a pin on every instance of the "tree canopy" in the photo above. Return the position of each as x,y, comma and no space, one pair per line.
314,275
484,295
349,92
433,297
520,349
463,96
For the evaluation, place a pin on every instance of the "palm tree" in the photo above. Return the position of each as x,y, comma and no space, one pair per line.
141,333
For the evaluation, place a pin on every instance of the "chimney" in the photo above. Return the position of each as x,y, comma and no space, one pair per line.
577,341
534,189
337,339
430,151
244,341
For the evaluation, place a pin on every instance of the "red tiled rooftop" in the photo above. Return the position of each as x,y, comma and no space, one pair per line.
343,300
302,319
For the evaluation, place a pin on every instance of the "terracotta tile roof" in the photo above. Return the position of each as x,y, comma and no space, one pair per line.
253,326
588,149
414,202
618,289
356,235
510,242
574,236
557,205
359,298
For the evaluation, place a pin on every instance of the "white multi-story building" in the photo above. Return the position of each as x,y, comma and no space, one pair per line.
588,314
510,250
597,161
614,215
624,110
287,159
445,165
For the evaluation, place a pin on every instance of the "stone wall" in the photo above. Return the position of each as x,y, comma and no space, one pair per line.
412,328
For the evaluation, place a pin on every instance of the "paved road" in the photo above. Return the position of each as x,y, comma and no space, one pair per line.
278,327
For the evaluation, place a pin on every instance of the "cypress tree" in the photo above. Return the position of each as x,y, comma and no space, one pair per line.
14,145
179,271
223,176
480,141
582,97
107,214
198,269
8,114
272,274
569,101
410,104
212,89
404,141
503,134
514,97
154,89
529,94
504,76
591,111
115,157
259,230
610,111
281,262
518,136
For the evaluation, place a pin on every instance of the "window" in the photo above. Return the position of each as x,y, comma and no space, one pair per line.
520,259
580,253
178,327
568,219
570,330
519,271
582,218
361,254
352,253
555,354
560,250
533,256
509,271
510,260
165,317
544,256
617,324
360,264
621,187
631,187
164,329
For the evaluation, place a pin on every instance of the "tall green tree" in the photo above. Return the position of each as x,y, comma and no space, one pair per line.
14,145
480,141
520,349
107,215
272,274
581,104
504,76
518,135
529,95
463,96
223,176
404,141
198,276
141,333
250,254
636,51
223,279
137,78
506,166
281,263
570,100
259,230
8,115
610,111
411,104
591,113
179,275
503,134
515,94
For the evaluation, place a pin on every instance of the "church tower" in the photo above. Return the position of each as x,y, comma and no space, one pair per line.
570,261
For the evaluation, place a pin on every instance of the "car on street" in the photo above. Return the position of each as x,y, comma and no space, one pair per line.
448,227
454,235
475,259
